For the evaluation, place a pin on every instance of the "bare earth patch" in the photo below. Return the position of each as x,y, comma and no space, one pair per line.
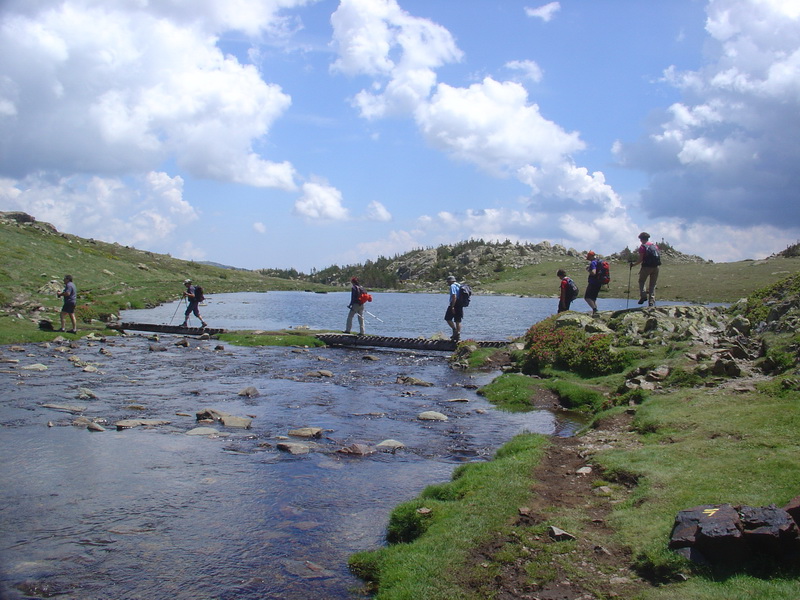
528,563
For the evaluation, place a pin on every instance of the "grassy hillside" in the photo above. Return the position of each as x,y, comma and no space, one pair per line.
693,282
109,277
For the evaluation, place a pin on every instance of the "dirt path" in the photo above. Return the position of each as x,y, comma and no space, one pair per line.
591,567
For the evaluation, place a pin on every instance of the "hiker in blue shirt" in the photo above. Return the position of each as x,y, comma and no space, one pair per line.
593,283
455,311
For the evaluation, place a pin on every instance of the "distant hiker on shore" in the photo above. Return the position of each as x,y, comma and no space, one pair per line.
568,291
194,296
70,296
593,283
455,310
650,259
356,306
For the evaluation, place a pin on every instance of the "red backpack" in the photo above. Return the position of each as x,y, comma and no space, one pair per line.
603,272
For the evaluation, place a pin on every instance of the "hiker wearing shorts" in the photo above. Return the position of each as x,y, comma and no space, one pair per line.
193,304
356,307
455,311
593,284
70,296
650,262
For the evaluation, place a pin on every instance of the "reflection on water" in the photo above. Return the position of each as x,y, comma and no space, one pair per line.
154,513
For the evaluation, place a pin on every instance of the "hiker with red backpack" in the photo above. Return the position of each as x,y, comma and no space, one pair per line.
358,297
650,259
569,291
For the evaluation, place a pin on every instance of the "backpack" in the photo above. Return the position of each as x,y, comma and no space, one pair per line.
198,294
572,290
603,272
464,294
652,257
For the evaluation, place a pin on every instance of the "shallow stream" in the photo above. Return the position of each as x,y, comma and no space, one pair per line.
155,513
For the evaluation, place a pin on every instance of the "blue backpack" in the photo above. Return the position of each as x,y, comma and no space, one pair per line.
464,294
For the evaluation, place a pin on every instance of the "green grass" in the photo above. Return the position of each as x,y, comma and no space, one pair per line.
109,278
704,447
462,514
686,282
272,338
511,392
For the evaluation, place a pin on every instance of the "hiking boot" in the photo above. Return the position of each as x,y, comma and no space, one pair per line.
184,324
204,324
643,299
651,303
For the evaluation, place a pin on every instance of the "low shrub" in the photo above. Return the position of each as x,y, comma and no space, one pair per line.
572,349
85,313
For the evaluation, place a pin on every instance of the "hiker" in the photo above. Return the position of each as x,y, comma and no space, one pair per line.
593,284
650,260
193,303
70,295
569,291
356,307
455,310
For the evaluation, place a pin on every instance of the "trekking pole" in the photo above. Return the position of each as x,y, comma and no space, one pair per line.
175,313
371,315
630,270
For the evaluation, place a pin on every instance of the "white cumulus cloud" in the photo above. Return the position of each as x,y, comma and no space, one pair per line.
321,201
545,12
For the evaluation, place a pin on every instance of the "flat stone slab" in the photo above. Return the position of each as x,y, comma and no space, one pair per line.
71,408
203,431
431,415
131,423
293,448
306,432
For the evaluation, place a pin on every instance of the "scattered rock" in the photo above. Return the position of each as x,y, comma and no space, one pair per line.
250,392
431,415
405,380
71,408
293,448
203,431
131,423
35,367
560,535
390,445
95,427
357,450
306,432
224,418
320,373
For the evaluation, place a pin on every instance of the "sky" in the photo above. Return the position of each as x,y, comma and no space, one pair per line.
307,133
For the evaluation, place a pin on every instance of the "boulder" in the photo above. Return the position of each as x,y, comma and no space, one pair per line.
249,391
357,450
727,536
390,445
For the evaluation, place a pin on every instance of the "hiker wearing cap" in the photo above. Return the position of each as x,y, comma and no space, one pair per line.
193,303
356,307
455,311
650,260
593,284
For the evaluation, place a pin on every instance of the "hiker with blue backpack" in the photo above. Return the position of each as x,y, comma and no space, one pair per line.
594,281
460,294
569,291
650,261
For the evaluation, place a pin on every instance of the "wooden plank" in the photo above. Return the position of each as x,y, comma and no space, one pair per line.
156,328
344,339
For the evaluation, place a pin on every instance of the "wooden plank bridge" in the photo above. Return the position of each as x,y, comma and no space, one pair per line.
350,340
155,328
331,339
